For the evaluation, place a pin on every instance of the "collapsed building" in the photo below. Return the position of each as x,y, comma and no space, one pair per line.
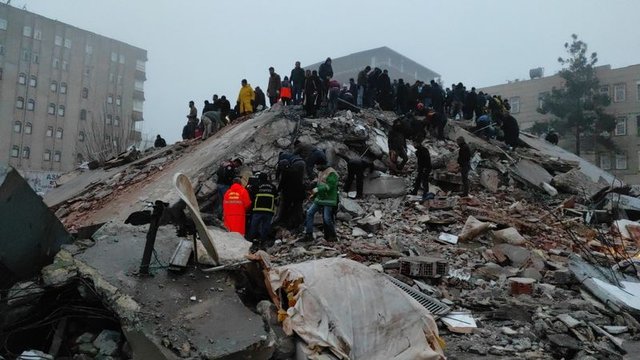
539,263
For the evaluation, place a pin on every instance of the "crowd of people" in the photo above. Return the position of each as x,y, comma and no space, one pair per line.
256,206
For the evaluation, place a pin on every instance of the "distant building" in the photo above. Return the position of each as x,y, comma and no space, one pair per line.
398,65
623,87
66,95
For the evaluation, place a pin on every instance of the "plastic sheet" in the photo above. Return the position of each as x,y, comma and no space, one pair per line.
353,311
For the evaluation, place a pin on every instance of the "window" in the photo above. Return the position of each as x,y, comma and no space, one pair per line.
33,81
57,156
26,31
621,161
515,104
81,136
119,80
55,63
111,77
116,121
83,114
35,58
61,110
17,127
49,132
1,49
619,92
51,109
26,55
140,65
138,85
87,71
59,133
605,161
28,128
109,119
137,105
79,158
110,99
638,91
31,105
85,93
15,151
58,40
22,79
116,141
119,100
65,65
67,43
88,49
3,24
37,34
47,155
63,88
114,57
107,139
20,102
26,152
121,59
53,86
621,126
604,90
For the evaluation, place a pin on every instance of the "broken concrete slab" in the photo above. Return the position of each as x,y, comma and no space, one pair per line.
577,182
351,207
473,228
163,304
31,233
490,179
531,173
24,293
509,236
516,254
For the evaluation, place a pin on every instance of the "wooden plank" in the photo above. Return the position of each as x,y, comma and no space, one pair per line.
181,255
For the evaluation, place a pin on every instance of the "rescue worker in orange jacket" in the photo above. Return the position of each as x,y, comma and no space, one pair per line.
235,206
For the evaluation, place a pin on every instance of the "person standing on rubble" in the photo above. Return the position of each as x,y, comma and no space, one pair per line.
264,205
290,173
362,85
297,82
397,146
355,170
160,142
273,89
312,90
235,205
325,72
225,108
464,162
246,98
551,137
260,103
325,199
424,169
511,131
285,92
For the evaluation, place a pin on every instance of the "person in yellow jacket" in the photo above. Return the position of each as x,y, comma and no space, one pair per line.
246,97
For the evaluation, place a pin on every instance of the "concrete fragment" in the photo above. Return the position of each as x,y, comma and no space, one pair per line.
489,179
357,232
107,342
23,293
531,273
615,330
34,355
516,254
385,186
561,277
86,337
576,182
509,236
88,349
351,207
569,320
565,341
472,229
371,223
549,189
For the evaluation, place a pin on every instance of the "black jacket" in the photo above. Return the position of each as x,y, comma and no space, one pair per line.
424,158
297,77
464,155
325,71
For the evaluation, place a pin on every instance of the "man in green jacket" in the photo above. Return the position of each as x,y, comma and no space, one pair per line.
326,200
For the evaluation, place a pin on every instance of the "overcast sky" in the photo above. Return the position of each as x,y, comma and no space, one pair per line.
200,47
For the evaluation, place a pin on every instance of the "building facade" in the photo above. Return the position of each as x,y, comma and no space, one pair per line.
67,95
622,85
398,65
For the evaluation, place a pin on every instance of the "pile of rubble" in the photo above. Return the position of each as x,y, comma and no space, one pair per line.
502,262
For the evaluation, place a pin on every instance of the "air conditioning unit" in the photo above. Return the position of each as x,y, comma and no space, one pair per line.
536,73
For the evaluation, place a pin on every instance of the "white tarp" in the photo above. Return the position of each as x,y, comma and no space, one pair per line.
354,312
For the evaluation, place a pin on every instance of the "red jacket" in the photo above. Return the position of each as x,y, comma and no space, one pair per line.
235,205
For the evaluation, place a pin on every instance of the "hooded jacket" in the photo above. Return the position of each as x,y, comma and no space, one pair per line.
245,97
235,206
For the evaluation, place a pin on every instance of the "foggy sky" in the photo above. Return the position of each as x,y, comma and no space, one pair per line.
200,47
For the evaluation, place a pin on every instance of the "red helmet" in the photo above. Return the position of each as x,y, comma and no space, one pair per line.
420,106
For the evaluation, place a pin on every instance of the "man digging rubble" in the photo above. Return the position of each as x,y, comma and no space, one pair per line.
325,199
464,161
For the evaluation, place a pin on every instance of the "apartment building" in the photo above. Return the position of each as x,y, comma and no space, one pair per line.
66,95
398,65
622,85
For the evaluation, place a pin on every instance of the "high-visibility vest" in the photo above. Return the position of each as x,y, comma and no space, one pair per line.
264,202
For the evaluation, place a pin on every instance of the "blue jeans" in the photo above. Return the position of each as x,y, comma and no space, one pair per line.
260,226
327,219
